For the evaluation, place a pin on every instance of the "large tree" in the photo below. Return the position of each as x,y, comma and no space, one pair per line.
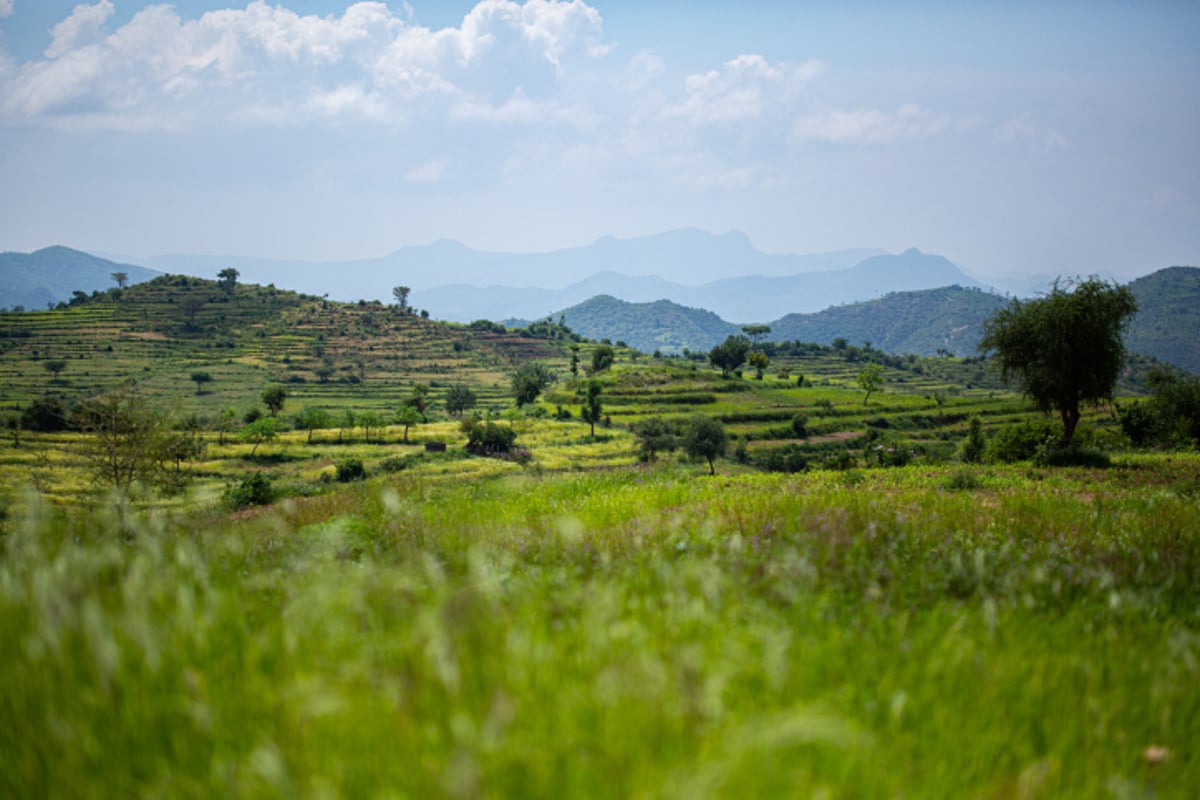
1065,348
705,438
529,381
730,354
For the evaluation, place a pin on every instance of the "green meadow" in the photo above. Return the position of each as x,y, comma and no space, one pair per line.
846,609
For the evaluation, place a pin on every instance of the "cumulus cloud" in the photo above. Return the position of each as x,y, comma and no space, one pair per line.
871,126
6,8
268,62
744,88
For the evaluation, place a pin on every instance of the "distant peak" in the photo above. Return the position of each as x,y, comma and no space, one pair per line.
912,251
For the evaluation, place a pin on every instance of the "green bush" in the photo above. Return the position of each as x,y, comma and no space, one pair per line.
487,438
789,458
255,490
974,446
1020,442
1050,455
350,470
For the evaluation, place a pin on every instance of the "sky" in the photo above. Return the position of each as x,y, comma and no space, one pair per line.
1017,138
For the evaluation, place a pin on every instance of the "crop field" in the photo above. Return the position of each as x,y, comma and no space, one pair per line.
847,608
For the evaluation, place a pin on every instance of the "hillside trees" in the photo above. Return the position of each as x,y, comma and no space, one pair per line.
530,381
459,398
120,278
1065,348
592,410
654,435
409,417
602,359
273,397
759,360
400,294
200,378
705,438
129,440
870,380
730,354
312,419
228,279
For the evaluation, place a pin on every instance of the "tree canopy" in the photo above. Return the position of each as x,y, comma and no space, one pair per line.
529,381
705,438
1065,348
730,354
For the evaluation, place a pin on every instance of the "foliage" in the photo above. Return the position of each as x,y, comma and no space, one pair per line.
1175,408
1063,349
759,361
400,295
592,410
312,419
602,359
273,397
127,440
409,416
350,469
529,381
54,366
870,380
200,379
228,279
800,426
789,458
488,438
705,438
460,398
261,430
654,435
730,354
253,490
1019,442
974,445
47,414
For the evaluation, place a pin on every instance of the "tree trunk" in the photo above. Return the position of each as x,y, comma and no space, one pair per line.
1070,418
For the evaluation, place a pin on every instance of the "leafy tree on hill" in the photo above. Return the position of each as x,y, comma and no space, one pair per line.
655,435
55,366
1065,348
730,354
705,438
120,278
201,378
273,397
756,332
263,429
530,381
759,361
459,398
870,380
592,410
228,278
128,440
409,416
602,359
311,419
368,420
400,293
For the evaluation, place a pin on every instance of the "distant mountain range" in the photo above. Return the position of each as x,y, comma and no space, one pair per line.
50,276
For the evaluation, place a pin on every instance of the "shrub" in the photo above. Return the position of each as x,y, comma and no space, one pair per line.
256,490
789,458
962,481
974,446
800,426
488,438
1051,455
350,470
1019,442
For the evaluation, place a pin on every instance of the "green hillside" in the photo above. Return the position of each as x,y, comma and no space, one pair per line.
52,275
1168,321
925,322
658,326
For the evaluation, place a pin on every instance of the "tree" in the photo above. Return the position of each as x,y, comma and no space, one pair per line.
418,398
191,307
128,440
529,381
730,354
602,359
654,436
459,399
263,429
870,380
759,361
592,410
311,419
1065,348
201,378
368,420
409,417
121,278
54,366
347,422
228,278
273,397
574,358
401,295
705,438
756,332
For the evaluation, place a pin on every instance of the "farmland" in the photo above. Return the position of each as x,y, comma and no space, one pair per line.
875,618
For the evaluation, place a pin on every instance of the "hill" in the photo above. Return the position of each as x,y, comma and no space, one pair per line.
51,275
656,326
1167,325
949,319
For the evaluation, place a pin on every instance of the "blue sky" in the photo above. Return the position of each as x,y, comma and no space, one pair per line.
1015,138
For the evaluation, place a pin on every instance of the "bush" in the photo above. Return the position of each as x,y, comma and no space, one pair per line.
1020,442
256,490
1050,455
800,426
888,452
789,458
488,438
974,446
962,481
350,470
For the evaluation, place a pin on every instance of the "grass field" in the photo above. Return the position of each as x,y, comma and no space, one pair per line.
632,632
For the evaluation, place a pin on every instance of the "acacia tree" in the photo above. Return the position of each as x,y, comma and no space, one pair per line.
121,278
730,354
1065,348
400,294
201,378
228,278
128,440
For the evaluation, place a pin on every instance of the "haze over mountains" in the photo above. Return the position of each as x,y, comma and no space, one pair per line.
676,290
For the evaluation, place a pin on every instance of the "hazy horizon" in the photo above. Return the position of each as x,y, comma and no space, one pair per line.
1014,139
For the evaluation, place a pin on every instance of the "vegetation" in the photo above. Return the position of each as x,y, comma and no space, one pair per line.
870,601
730,354
1064,349
529,381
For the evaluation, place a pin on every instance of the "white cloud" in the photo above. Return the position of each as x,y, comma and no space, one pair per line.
871,126
266,62
744,88
6,8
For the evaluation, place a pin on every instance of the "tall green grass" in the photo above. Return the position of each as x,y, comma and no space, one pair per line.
624,633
